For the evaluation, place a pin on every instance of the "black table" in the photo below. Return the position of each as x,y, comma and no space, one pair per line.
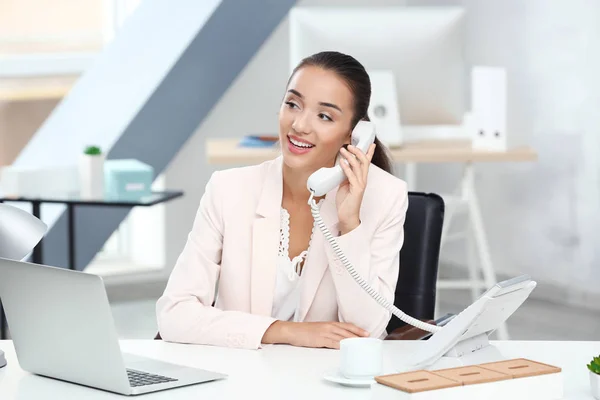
72,200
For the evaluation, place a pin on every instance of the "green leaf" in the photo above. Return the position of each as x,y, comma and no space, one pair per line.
92,150
594,368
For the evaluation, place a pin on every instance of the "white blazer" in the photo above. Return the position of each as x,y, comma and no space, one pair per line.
232,249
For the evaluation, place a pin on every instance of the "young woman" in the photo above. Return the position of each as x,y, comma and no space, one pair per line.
254,245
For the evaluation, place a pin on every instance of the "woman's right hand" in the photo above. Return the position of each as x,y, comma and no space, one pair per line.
312,334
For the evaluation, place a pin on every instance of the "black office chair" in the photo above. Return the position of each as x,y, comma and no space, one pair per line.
416,287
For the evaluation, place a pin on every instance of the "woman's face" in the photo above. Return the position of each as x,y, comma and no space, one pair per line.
314,119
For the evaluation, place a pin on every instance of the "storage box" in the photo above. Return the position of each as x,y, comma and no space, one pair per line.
127,180
38,181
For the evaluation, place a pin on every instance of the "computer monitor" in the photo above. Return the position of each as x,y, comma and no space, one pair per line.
423,46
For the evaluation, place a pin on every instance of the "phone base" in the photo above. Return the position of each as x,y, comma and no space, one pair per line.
473,351
466,336
2,359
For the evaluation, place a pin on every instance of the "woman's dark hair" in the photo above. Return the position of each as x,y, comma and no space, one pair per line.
357,79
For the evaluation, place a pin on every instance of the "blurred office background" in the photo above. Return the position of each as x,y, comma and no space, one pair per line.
541,217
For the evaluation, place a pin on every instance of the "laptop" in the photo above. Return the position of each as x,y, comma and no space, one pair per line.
62,327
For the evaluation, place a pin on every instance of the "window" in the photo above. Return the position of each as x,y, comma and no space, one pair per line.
45,45
56,37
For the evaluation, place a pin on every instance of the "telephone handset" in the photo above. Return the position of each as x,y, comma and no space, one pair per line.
323,181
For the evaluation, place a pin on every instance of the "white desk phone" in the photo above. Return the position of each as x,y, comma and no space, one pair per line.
463,340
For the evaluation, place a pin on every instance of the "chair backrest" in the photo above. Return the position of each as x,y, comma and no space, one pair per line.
416,288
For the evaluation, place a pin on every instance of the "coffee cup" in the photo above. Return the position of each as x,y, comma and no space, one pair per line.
361,358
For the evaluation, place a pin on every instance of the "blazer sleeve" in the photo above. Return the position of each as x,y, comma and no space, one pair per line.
184,312
376,258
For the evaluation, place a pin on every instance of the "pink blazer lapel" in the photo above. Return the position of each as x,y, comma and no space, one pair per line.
265,244
265,241
316,261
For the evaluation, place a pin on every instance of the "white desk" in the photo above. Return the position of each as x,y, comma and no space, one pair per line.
228,151
279,372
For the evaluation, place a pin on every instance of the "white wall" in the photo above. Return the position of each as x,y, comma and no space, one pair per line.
540,217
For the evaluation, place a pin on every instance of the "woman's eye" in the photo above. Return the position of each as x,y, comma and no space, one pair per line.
291,104
325,117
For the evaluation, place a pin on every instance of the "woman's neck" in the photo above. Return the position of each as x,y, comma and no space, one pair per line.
294,185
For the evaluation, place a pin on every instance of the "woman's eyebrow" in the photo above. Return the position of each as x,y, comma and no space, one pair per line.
331,105
324,104
297,93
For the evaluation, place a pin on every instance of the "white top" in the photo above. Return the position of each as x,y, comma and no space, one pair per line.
282,372
289,277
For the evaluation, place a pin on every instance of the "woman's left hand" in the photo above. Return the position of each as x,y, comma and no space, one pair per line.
350,193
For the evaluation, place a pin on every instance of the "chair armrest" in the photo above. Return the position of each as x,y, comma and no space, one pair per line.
409,332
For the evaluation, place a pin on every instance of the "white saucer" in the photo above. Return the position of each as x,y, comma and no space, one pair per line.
336,377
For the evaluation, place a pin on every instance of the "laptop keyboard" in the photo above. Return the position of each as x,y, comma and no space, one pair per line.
139,378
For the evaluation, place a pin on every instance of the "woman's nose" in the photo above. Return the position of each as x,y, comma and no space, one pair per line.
301,124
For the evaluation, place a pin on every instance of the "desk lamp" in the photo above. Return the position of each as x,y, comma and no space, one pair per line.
20,232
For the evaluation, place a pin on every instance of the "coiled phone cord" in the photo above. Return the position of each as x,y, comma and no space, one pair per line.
363,284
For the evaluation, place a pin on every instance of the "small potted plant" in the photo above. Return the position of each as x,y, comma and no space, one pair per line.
92,151
91,173
594,367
